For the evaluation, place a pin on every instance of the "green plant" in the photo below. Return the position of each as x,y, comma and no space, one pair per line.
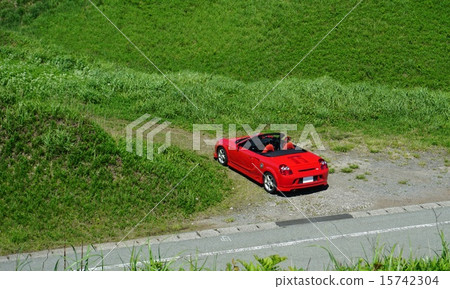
385,259
374,150
361,177
270,263
150,263
229,220
342,148
347,170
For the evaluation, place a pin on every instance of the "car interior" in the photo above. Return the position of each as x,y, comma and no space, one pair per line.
266,143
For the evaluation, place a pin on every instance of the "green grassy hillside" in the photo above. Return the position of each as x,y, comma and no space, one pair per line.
111,91
63,180
399,43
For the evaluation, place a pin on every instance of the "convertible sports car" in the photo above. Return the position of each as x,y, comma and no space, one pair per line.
272,160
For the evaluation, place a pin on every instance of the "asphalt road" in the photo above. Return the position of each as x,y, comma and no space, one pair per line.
305,244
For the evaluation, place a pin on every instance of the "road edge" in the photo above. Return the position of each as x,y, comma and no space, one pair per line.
225,231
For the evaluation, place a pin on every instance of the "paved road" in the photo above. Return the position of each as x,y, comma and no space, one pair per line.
302,242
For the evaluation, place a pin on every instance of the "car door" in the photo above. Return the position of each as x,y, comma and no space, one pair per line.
255,165
250,159
242,156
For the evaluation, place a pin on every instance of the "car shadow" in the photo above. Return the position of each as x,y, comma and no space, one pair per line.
243,175
290,194
302,192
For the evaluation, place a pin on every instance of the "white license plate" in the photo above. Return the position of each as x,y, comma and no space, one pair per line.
308,179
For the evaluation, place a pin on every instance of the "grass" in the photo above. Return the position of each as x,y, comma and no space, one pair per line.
374,150
361,177
403,182
111,91
229,220
63,180
353,166
343,148
347,170
385,259
400,43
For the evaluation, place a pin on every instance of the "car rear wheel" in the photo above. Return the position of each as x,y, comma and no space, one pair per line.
270,185
222,157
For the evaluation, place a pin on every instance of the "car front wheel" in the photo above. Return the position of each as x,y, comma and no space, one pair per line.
222,157
270,185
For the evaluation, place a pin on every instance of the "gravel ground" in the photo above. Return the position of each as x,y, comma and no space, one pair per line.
381,180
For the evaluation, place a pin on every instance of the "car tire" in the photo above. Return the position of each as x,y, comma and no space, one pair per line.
269,183
222,156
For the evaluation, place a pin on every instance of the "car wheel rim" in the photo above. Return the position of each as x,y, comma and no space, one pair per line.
268,183
221,156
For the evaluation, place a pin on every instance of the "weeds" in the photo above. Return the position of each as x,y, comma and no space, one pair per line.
342,148
270,263
382,259
361,177
386,260
229,220
139,263
347,170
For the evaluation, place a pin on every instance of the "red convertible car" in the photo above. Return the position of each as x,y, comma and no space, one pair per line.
272,160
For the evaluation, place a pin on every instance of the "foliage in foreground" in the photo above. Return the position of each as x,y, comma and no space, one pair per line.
386,260
383,259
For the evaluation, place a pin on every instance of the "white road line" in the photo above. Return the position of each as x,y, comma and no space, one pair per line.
292,243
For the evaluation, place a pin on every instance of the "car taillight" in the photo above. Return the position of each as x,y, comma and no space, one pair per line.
323,164
285,170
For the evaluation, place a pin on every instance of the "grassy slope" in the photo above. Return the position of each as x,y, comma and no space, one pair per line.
64,179
112,91
399,43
